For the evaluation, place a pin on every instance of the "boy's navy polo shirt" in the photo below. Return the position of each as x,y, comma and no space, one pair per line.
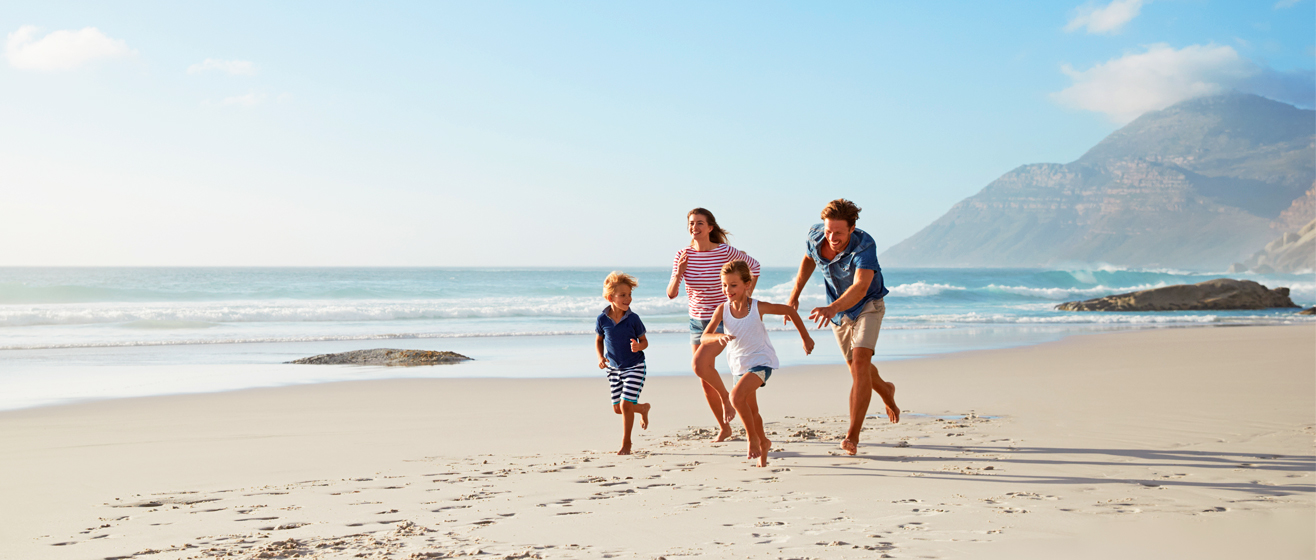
617,338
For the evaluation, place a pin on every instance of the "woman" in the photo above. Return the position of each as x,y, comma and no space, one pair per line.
699,265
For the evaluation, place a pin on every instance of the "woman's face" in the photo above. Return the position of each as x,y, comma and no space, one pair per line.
698,225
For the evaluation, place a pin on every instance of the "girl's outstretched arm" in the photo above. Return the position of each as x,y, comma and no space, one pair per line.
794,316
710,332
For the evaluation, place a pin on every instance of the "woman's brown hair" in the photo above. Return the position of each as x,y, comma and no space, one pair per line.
718,235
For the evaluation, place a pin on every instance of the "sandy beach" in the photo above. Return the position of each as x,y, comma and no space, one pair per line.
1150,444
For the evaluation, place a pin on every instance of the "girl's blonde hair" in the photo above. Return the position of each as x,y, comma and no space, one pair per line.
618,278
739,268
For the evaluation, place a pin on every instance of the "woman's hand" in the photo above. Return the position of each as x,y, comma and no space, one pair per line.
682,262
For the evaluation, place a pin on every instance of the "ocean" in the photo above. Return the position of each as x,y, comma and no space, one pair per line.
70,334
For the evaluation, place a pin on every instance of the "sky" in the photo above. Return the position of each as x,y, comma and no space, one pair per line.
568,134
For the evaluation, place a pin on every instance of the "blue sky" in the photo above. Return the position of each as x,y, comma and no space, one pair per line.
567,134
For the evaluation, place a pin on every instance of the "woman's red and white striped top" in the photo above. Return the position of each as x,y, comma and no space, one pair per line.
703,276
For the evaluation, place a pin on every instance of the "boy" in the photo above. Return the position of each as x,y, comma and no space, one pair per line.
620,345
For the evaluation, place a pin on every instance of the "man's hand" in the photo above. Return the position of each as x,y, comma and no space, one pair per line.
794,303
822,315
603,363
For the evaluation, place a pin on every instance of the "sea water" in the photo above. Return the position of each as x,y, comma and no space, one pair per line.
87,333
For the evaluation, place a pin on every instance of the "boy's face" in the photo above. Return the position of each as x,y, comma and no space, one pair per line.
733,286
621,297
837,233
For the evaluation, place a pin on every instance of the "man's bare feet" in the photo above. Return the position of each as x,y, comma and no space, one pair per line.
763,457
625,449
849,446
892,411
724,434
644,416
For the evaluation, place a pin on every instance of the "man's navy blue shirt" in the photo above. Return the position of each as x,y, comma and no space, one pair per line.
617,338
839,273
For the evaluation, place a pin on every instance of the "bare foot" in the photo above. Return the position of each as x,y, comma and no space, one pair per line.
763,458
625,449
849,446
728,411
892,411
753,452
644,416
724,434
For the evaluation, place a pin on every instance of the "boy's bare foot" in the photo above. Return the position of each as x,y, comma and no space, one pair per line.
849,446
644,416
763,457
625,449
724,434
892,411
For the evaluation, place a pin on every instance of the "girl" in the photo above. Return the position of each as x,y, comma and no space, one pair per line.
751,357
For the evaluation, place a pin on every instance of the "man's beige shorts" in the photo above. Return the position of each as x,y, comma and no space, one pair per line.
860,332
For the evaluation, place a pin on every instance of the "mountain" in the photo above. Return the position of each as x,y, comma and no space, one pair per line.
1198,185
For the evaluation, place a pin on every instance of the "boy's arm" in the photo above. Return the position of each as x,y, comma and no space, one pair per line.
794,317
598,346
710,332
639,344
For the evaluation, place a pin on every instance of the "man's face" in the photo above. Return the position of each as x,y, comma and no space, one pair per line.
837,233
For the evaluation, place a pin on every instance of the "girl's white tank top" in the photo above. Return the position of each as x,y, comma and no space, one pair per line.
751,346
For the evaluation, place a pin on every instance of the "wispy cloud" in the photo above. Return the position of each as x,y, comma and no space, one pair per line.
1286,4
60,50
231,67
1105,20
1126,87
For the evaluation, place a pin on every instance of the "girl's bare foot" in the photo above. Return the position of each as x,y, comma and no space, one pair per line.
763,457
724,434
728,411
644,416
625,449
849,446
753,451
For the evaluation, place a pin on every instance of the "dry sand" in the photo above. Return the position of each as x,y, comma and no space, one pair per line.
1171,443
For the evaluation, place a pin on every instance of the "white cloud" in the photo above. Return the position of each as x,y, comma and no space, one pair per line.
60,50
1126,87
231,67
1105,20
247,100
1286,4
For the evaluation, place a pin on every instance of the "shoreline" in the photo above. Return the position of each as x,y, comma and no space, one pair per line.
1202,434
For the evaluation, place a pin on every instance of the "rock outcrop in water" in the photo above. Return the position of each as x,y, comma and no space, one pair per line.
385,357
1221,294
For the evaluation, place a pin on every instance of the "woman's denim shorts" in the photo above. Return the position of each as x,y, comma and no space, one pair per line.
697,327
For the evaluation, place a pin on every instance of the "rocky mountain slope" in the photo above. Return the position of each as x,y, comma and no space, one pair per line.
1201,184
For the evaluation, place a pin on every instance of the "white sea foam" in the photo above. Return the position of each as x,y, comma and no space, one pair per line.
921,288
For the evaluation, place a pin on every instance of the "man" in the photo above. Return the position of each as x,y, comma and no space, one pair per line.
848,258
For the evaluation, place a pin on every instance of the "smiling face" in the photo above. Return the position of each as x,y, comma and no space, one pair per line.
733,286
698,226
837,233
620,298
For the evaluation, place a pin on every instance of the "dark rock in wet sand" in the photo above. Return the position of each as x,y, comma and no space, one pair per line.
1213,295
385,357
1308,311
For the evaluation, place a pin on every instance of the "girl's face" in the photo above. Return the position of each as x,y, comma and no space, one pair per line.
698,226
621,297
733,286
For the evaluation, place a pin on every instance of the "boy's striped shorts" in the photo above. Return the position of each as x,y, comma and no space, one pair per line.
626,383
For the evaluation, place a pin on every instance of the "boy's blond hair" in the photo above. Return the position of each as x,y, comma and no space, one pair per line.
618,278
739,268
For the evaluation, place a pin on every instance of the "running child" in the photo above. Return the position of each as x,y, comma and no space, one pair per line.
620,344
751,355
